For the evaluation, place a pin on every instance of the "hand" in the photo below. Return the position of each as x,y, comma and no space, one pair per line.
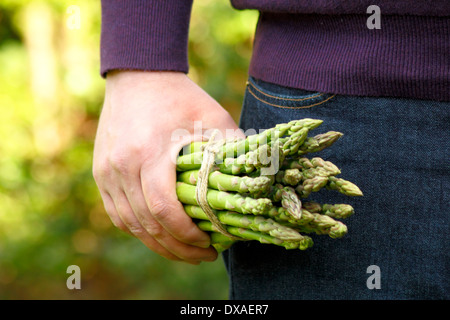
135,156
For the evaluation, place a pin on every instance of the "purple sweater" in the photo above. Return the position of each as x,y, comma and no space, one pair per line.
319,45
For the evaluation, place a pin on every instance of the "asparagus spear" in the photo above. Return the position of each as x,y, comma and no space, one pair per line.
191,161
233,149
344,186
296,125
255,223
247,234
302,169
287,197
252,142
224,182
281,215
193,147
319,142
315,223
311,167
252,160
291,144
290,177
221,200
316,183
322,224
291,202
318,163
220,242
312,206
313,184
338,211
245,163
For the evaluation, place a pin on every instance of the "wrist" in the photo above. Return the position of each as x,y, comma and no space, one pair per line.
144,75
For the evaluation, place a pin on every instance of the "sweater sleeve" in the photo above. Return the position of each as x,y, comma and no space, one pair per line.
144,35
334,7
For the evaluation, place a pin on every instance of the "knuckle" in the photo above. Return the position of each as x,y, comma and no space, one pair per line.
155,230
100,170
129,221
136,149
121,158
135,228
164,212
118,160
160,209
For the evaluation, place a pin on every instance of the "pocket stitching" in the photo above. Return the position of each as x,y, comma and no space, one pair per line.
289,99
284,107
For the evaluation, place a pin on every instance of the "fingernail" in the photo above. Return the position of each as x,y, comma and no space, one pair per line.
211,259
202,244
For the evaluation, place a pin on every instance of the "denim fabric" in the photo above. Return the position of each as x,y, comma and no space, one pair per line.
397,151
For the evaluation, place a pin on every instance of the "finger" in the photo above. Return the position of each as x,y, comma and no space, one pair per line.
126,215
134,213
182,250
110,208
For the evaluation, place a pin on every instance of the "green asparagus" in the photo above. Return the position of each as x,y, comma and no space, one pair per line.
344,186
221,200
224,182
256,204
319,142
339,211
255,223
246,234
234,149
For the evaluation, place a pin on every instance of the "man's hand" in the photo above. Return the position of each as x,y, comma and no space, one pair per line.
134,158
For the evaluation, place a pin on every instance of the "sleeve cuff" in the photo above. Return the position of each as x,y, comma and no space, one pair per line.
149,35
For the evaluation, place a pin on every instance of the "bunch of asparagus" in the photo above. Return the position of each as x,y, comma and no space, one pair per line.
254,201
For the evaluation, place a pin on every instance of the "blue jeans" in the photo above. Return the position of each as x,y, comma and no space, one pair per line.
397,152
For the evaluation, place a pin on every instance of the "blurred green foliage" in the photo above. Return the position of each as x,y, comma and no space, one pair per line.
51,215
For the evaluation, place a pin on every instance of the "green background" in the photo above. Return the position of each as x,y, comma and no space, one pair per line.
51,215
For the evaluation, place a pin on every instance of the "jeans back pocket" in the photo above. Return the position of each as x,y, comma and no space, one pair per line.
283,97
267,104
